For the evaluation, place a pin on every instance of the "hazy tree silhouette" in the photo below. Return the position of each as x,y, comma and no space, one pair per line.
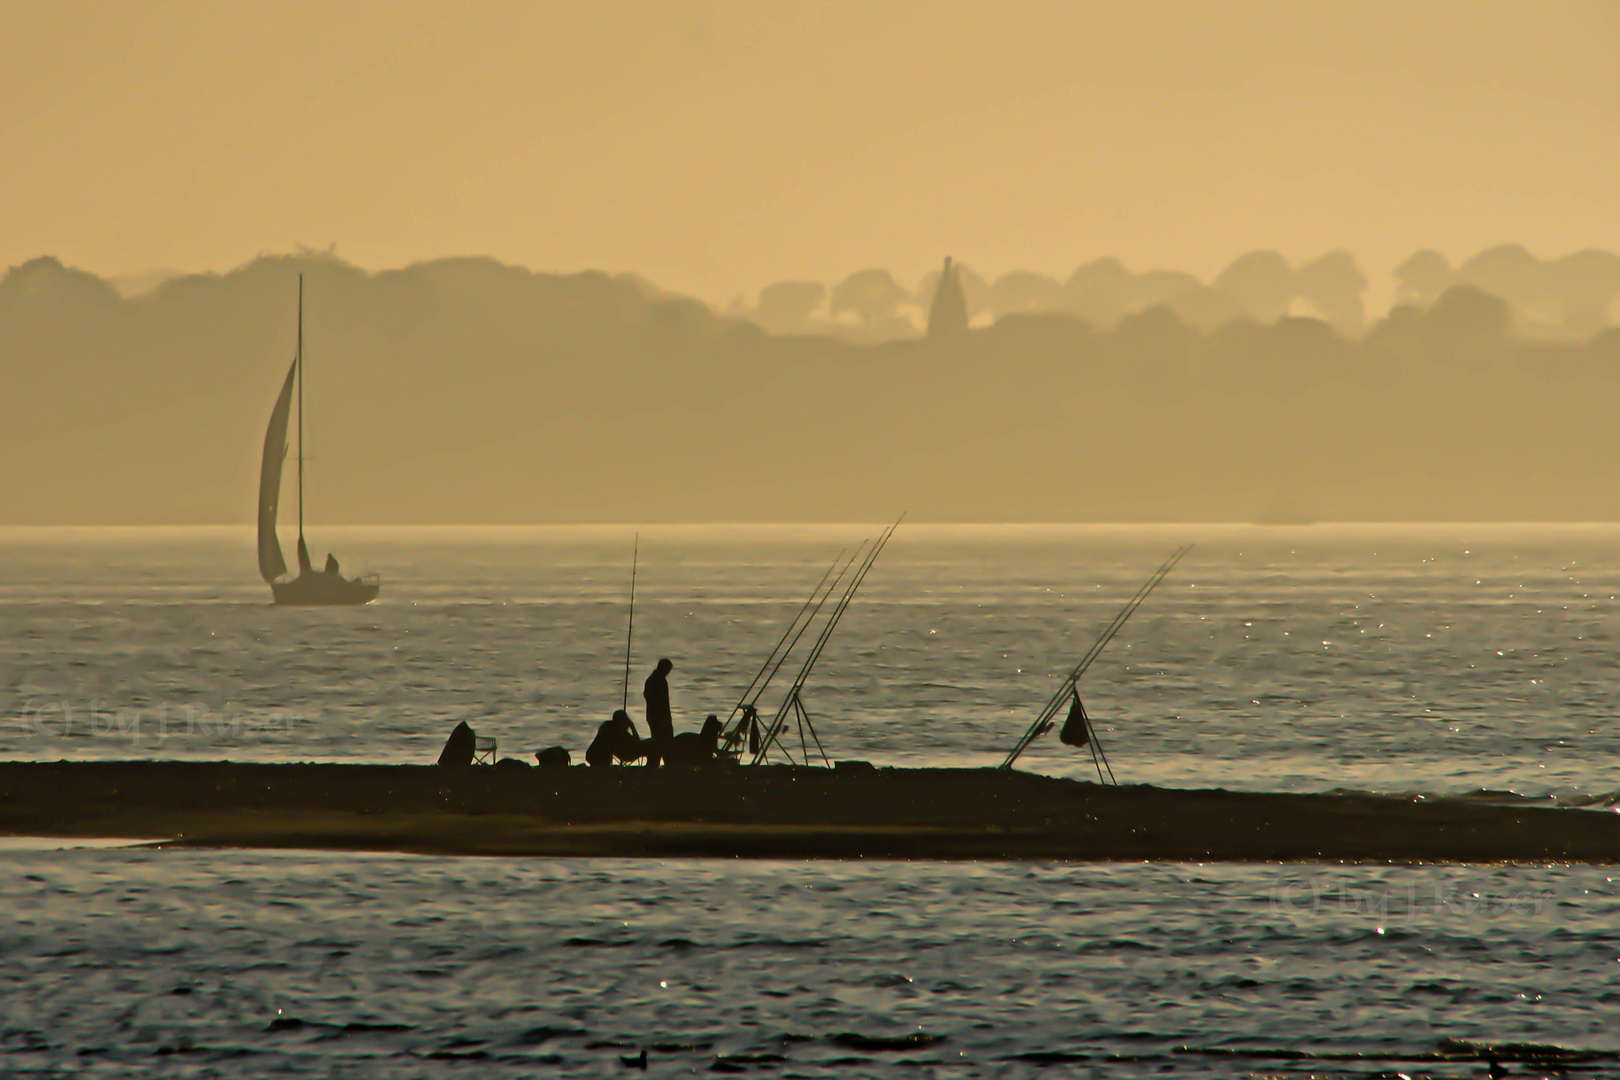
1100,292
1335,284
1261,281
45,279
1157,287
1155,349
873,296
1021,292
1586,285
1511,273
1422,278
789,307
1466,323
1206,307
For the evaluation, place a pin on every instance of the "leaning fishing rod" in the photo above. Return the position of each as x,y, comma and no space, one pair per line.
1043,720
779,721
843,606
766,666
792,700
767,672
782,659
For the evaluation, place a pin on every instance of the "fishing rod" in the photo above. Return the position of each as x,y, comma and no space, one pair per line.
629,634
761,674
750,714
792,700
1043,720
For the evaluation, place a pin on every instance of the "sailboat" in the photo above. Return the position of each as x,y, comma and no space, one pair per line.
311,587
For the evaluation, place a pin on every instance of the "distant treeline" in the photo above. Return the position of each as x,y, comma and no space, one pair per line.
469,391
1560,299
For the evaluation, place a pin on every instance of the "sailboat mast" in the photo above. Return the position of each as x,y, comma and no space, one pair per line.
300,409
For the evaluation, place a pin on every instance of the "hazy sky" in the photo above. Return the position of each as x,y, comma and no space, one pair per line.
718,146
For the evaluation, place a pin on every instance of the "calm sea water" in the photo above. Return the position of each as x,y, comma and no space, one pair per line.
1443,660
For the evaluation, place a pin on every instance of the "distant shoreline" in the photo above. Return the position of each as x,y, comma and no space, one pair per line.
794,529
772,812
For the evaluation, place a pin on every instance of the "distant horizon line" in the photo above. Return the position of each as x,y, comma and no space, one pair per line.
911,525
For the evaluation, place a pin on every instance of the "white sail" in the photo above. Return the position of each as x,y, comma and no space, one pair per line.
271,563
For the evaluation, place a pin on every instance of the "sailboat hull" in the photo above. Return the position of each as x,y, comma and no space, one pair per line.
316,589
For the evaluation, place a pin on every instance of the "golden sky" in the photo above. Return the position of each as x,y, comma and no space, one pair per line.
718,146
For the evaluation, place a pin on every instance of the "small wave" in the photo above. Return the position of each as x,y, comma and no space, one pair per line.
1534,1053
290,1023
544,1034
782,943
850,1040
889,981
749,1059
1050,1057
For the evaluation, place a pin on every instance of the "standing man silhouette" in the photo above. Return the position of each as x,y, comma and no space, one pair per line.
660,723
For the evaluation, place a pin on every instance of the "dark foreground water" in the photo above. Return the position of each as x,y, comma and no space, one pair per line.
250,964
1443,660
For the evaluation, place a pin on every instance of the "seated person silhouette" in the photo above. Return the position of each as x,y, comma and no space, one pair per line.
616,739
696,747
331,564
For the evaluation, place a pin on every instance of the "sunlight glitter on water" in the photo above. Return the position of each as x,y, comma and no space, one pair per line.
1463,658
131,643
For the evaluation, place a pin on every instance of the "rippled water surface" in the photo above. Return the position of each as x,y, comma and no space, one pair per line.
238,964
1445,660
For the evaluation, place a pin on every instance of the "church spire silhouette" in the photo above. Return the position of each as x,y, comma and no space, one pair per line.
947,316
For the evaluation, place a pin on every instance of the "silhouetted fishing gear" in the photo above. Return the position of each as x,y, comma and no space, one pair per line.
1078,732
748,703
793,703
767,671
1044,719
754,738
629,634
751,718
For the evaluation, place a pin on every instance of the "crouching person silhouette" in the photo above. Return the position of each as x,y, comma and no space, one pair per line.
616,739
697,747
